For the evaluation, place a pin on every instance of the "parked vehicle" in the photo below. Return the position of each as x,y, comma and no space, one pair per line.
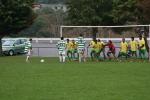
13,46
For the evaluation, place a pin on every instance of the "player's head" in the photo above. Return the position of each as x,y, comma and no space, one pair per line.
98,40
140,37
81,35
110,42
132,38
67,40
30,39
73,41
95,41
62,38
123,39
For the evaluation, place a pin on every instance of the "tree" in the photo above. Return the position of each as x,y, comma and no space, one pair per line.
144,6
89,12
124,11
15,15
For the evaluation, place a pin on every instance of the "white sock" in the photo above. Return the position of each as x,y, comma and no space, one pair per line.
27,58
60,58
80,58
64,58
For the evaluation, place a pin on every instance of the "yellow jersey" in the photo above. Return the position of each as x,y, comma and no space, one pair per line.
92,43
124,47
101,44
74,46
142,42
133,45
96,46
69,45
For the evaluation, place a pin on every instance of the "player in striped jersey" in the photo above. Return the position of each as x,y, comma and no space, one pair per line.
28,49
61,45
81,48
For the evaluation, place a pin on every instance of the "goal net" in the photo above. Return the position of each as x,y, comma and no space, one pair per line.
106,33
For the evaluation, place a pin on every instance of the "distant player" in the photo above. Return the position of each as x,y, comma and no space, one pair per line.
61,45
111,50
133,45
69,49
101,47
141,47
96,47
91,45
28,49
123,49
81,48
74,50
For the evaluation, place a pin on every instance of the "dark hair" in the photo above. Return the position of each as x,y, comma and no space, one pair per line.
132,37
30,39
81,35
62,38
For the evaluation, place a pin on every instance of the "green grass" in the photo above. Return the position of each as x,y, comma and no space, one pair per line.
52,80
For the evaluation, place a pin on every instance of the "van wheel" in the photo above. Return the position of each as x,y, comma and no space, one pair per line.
11,53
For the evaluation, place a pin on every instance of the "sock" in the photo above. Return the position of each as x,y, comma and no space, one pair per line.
63,58
80,58
60,58
27,58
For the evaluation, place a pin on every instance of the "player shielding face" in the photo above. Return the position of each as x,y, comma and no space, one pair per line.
28,49
61,45
81,48
133,47
123,48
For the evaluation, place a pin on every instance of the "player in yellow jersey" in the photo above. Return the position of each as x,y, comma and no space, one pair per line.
101,47
123,48
69,49
133,47
91,45
74,50
96,47
141,47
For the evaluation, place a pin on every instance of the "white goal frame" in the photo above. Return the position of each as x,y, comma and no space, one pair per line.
120,26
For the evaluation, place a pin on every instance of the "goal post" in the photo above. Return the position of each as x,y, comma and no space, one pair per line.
120,26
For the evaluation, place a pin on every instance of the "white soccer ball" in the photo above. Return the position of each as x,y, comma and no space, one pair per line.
42,60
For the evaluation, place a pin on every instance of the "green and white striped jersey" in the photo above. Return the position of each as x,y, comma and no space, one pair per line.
61,45
81,43
28,46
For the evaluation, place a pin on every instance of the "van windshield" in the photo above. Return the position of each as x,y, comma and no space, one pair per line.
8,43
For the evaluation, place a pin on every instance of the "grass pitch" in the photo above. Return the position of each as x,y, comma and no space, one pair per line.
52,80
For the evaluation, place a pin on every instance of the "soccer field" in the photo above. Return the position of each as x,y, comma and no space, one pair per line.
52,80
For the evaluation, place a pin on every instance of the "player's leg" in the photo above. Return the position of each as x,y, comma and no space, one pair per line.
143,54
108,54
83,56
28,56
103,50
60,56
68,55
140,53
98,54
92,53
63,56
